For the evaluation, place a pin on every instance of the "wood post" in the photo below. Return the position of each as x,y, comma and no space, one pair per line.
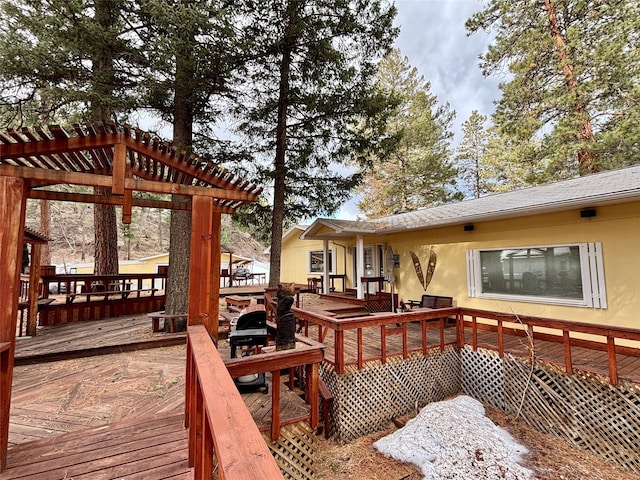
12,215
34,289
204,280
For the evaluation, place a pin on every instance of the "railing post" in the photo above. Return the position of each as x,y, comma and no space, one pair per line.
441,324
423,325
568,363
500,339
360,350
199,425
339,350
405,343
383,344
613,362
275,405
474,333
312,391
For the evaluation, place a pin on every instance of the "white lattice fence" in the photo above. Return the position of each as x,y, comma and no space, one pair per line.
582,408
366,400
294,451
483,376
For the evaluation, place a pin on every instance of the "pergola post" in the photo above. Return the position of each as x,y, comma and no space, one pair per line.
12,216
34,288
204,276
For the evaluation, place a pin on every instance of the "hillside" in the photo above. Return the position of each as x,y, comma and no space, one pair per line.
72,233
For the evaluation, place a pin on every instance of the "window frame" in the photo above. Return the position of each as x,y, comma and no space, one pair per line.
591,270
332,258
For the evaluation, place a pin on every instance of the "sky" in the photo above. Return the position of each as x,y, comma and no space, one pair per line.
434,39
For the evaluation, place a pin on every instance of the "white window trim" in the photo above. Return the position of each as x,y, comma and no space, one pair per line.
332,267
591,267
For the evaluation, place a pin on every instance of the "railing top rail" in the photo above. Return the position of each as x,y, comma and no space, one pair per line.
343,324
571,326
240,448
116,276
373,320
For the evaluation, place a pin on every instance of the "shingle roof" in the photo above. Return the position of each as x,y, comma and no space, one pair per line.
609,187
588,191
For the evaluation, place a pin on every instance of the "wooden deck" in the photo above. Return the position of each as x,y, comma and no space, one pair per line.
148,448
74,411
68,410
96,337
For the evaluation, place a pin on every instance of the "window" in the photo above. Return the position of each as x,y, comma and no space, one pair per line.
315,261
560,274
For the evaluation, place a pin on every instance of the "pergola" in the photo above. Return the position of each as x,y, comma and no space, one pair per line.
124,160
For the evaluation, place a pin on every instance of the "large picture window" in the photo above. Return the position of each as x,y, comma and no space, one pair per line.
559,274
315,262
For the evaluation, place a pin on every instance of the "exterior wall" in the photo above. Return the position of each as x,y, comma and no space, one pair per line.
294,263
617,227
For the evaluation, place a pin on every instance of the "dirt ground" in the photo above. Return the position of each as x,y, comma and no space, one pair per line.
549,458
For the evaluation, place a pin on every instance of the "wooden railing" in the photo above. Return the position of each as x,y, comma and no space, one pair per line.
533,331
77,283
219,422
387,324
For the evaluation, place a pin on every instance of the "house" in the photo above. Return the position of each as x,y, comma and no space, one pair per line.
159,263
564,250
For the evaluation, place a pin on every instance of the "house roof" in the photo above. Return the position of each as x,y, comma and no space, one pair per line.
604,188
123,158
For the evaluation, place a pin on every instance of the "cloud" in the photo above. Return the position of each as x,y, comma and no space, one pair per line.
434,38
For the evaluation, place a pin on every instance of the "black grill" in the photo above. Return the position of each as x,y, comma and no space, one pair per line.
249,333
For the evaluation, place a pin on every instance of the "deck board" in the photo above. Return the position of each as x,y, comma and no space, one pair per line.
155,448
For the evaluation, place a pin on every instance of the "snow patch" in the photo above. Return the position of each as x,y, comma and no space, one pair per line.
454,439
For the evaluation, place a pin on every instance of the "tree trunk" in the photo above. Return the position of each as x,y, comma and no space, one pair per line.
585,130
180,230
105,226
179,248
106,237
280,169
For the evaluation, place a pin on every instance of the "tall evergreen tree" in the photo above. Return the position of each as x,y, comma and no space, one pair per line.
418,173
470,153
574,73
69,57
192,45
308,98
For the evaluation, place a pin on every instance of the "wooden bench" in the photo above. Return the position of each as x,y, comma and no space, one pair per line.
122,293
432,301
157,316
236,303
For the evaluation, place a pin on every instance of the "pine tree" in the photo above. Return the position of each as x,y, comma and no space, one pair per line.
470,153
573,78
418,173
68,60
308,100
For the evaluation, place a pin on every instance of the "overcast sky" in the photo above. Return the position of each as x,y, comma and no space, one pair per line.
433,37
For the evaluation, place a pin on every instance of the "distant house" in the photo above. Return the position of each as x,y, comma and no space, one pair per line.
156,263
565,250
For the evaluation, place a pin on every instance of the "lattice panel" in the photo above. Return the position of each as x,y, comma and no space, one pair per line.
483,376
541,397
366,400
608,419
294,451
